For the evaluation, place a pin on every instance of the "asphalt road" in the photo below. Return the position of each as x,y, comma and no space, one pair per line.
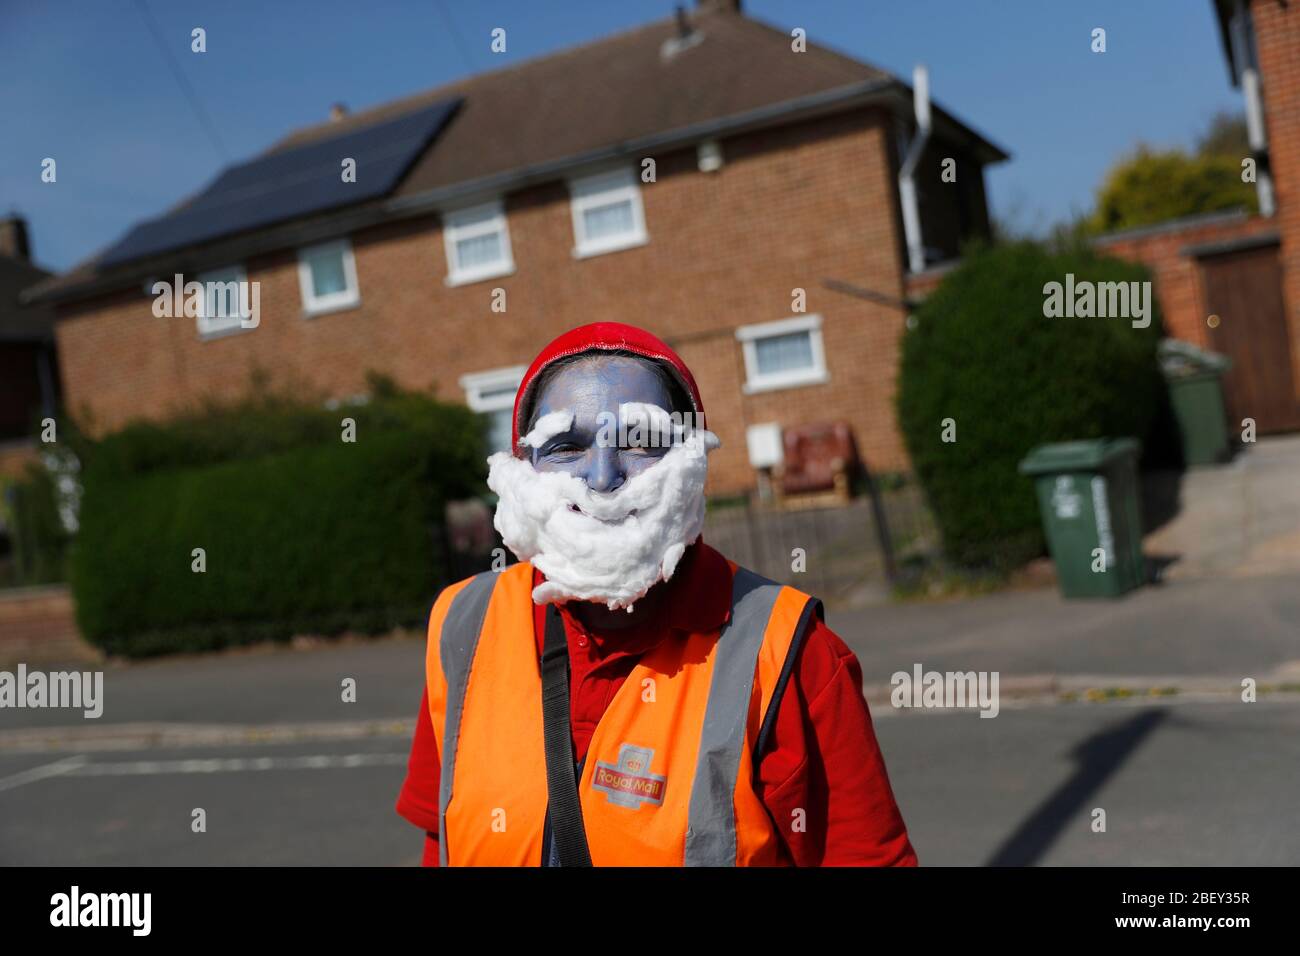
1224,627
1181,783
293,775
1209,784
320,804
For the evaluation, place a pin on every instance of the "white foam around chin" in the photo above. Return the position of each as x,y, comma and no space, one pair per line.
624,543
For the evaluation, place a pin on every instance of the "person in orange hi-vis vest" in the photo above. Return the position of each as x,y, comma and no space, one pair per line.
625,695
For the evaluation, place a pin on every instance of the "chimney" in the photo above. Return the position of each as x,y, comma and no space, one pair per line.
718,6
683,24
337,112
685,38
13,238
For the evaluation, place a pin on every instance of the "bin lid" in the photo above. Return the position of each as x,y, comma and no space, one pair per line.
1179,359
1088,455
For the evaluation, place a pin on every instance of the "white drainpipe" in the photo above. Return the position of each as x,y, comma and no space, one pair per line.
906,182
1258,138
1242,53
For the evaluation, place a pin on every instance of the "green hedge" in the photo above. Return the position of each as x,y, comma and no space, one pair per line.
981,352
302,532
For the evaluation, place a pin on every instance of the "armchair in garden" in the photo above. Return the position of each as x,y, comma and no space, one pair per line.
819,463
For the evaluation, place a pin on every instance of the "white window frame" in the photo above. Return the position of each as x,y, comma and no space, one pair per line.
755,381
349,297
599,190
459,224
497,379
203,323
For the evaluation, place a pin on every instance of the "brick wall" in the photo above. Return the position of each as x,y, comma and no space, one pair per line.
15,456
1277,40
1177,277
38,626
790,207
921,284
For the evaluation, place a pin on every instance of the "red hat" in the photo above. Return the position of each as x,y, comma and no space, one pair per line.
608,336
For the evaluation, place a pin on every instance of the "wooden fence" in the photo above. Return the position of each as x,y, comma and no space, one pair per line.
837,553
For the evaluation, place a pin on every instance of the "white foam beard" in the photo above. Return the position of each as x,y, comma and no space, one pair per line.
608,548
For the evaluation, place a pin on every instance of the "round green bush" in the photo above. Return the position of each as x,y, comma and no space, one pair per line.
981,352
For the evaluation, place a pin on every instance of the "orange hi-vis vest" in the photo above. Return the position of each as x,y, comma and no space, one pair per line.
668,779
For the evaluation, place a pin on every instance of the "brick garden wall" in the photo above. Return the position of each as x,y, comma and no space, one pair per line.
1176,277
38,626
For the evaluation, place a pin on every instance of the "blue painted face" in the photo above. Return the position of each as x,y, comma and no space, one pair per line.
588,389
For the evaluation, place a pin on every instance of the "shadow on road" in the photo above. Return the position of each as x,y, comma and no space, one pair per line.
1098,757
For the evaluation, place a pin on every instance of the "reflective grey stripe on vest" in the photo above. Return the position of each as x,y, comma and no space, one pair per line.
711,816
457,643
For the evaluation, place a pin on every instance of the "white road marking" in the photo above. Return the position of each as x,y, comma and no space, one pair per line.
234,764
89,736
57,769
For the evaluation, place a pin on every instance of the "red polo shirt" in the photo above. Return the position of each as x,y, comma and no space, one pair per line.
823,766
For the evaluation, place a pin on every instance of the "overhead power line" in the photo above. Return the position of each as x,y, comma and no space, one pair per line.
456,40
195,104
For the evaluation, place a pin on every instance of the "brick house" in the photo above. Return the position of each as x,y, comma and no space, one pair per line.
29,382
1231,281
774,170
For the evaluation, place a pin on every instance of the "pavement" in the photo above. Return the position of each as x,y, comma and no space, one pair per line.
1132,707
1240,519
1215,627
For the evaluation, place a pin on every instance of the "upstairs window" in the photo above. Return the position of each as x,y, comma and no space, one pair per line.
607,213
327,275
478,244
783,354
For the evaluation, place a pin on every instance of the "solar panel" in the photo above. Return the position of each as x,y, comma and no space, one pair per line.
291,183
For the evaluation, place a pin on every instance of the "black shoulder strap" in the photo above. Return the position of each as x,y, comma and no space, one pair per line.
564,811
810,609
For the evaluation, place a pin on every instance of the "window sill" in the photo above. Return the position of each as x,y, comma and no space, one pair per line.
311,312
215,334
776,385
588,252
452,281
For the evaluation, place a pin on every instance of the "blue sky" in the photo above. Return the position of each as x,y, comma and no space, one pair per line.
83,81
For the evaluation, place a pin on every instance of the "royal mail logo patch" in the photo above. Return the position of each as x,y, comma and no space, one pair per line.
629,783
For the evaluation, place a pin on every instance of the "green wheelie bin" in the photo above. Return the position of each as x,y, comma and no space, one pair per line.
1194,378
1089,498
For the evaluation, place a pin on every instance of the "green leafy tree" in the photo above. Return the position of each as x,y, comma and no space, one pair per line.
1225,136
1152,186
